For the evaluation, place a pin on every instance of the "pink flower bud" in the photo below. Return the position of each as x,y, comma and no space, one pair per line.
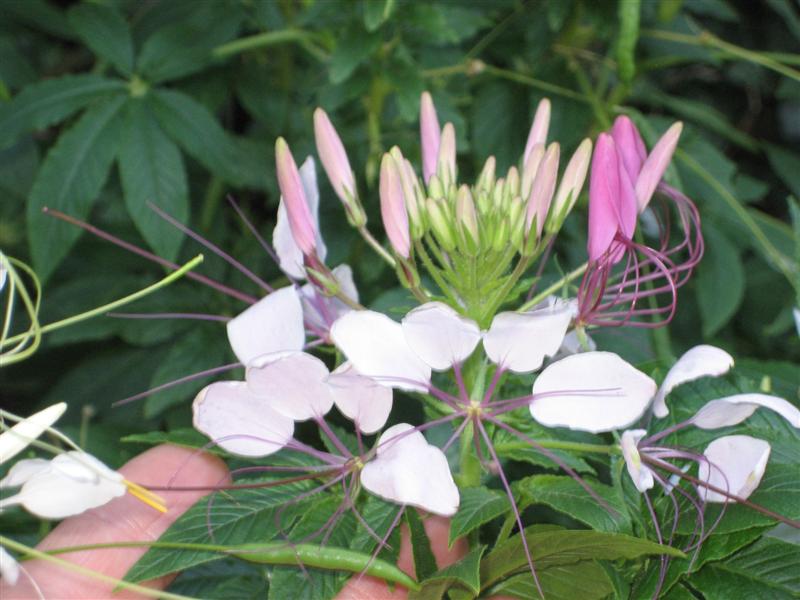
333,157
393,207
446,161
291,186
542,190
538,133
655,165
571,185
430,135
630,145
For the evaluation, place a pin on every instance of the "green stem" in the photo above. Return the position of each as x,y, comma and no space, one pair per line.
572,275
269,38
175,275
535,83
31,307
370,239
659,335
139,589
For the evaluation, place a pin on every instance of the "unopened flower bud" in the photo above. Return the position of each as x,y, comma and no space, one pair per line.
411,192
484,202
446,161
486,178
435,187
393,207
542,191
530,168
441,223
467,218
571,185
430,135
538,132
512,184
501,236
655,165
300,221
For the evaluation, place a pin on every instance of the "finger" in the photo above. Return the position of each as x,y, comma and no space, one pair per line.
372,588
124,519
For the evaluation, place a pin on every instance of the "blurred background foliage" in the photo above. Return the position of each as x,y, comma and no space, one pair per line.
108,105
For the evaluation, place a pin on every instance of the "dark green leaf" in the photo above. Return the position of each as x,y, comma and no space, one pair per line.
352,49
105,31
70,180
720,281
424,561
152,171
496,125
376,13
380,516
478,506
50,101
464,574
785,162
585,580
190,438
566,495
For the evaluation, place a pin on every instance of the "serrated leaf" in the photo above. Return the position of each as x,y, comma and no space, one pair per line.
106,32
566,495
380,516
196,130
465,573
152,171
478,505
424,560
719,281
585,580
51,101
557,547
237,517
70,179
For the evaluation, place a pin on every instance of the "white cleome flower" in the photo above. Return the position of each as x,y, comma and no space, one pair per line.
17,438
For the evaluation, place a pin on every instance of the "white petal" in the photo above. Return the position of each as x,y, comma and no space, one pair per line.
439,335
520,341
572,345
641,475
377,348
321,311
700,361
23,470
408,470
9,568
272,324
17,438
796,314
84,467
737,463
295,385
360,398
290,257
240,421
593,391
732,410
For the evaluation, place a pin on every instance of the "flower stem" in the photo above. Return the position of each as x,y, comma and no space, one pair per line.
368,237
572,275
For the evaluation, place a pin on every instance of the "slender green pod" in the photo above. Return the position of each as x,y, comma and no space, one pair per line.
628,12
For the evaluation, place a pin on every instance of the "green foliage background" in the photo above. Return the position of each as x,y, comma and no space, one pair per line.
106,106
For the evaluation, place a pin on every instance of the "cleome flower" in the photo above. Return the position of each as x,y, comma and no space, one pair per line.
622,273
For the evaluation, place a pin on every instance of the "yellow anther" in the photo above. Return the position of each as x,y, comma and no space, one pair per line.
140,493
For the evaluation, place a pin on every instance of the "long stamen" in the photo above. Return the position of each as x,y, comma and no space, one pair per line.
170,384
266,246
189,316
146,496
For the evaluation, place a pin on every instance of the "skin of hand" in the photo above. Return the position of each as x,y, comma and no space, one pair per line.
128,519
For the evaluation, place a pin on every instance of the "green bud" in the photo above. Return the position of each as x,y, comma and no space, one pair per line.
435,187
467,220
441,223
501,239
486,178
512,183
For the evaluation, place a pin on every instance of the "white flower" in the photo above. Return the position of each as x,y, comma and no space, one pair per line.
9,568
641,475
17,438
67,485
734,463
700,361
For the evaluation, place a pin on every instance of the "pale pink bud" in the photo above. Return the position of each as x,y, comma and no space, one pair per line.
571,185
393,207
446,161
465,213
430,135
411,191
538,133
300,220
543,188
333,157
630,145
530,168
655,165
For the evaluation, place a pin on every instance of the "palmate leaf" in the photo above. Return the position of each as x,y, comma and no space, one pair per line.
43,104
236,517
152,171
70,180
106,32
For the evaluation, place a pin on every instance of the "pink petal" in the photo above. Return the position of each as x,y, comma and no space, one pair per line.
655,165
393,207
333,156
291,186
430,134
539,127
629,145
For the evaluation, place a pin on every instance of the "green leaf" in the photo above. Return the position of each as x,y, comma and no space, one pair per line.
478,505
380,516
566,495
464,574
198,350
105,31
557,547
784,163
187,437
70,180
51,101
196,130
183,48
497,126
152,171
720,281
353,48
424,560
377,12
585,580
237,517
767,569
